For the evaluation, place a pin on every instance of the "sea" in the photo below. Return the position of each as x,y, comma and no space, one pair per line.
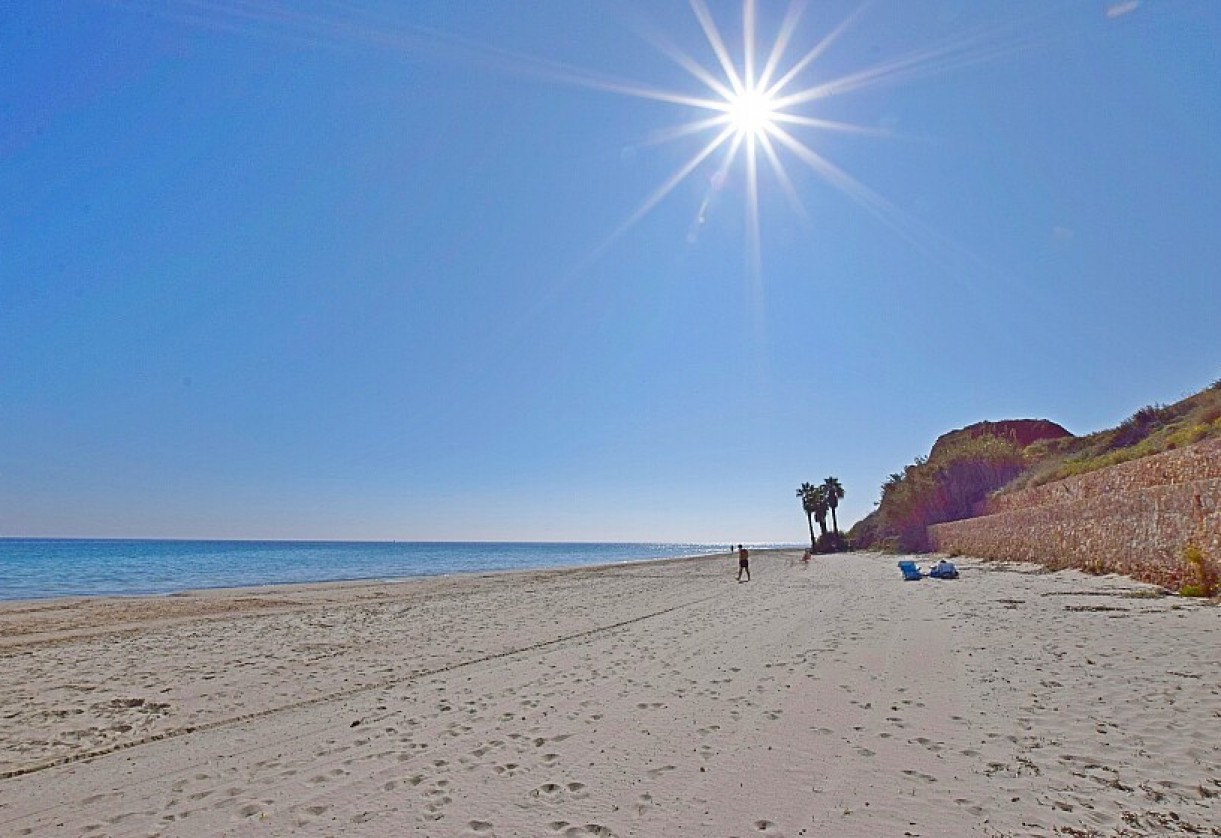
34,568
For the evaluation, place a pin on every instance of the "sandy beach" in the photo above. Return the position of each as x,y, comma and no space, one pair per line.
657,699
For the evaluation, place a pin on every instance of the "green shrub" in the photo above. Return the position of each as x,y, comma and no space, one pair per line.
1188,435
831,542
1201,573
1140,425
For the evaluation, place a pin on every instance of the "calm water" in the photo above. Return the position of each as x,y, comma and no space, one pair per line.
32,568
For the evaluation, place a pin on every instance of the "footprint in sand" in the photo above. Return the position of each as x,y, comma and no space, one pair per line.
551,792
969,805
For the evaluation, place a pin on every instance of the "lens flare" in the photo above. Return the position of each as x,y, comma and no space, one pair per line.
754,102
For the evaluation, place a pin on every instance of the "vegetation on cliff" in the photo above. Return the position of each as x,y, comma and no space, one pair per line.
945,486
966,466
1150,430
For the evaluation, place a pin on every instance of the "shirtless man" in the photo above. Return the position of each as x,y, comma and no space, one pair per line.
743,562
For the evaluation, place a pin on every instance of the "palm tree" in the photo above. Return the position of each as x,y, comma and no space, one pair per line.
809,502
834,494
820,509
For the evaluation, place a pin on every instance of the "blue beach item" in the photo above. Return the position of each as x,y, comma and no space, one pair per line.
944,570
911,573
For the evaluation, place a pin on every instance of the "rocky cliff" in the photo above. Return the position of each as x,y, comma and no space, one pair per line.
1135,498
962,469
1022,432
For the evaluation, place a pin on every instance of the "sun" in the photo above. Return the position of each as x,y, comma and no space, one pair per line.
754,105
752,113
755,110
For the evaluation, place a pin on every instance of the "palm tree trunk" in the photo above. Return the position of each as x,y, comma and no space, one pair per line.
834,522
810,521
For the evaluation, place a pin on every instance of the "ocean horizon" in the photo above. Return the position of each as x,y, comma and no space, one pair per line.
39,568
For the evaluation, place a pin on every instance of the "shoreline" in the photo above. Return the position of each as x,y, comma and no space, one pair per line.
281,597
630,699
188,588
56,601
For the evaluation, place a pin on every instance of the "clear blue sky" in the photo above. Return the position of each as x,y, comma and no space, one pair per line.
347,270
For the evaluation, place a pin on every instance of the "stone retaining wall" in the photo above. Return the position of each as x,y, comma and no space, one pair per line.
1134,518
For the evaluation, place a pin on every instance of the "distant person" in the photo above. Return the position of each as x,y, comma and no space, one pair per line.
743,562
805,557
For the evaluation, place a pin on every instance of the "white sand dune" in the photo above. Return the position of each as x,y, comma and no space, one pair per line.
659,699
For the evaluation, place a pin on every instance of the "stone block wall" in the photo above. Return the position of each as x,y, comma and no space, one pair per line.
1134,518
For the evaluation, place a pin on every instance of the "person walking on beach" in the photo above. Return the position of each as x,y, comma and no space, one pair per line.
743,562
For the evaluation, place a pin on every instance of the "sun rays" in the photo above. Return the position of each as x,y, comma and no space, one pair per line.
753,97
751,111
759,108
749,104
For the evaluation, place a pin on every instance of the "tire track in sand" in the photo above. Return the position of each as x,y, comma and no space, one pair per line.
335,696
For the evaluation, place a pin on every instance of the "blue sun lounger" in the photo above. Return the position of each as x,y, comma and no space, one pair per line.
911,573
